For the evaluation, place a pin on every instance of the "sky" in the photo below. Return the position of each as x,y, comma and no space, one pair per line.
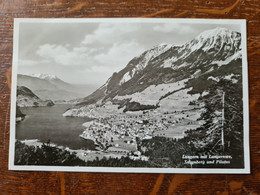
89,53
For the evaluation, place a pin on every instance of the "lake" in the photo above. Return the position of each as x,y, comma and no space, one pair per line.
47,123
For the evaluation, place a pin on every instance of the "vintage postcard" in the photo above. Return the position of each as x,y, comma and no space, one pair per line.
130,95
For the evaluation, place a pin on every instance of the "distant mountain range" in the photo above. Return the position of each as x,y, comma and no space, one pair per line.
51,87
46,77
168,71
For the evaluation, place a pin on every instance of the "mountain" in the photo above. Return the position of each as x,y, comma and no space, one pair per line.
51,87
26,98
46,77
168,74
19,115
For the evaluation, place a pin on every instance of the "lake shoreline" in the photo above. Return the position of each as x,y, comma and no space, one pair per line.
48,125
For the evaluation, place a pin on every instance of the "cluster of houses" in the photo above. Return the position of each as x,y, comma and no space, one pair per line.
119,133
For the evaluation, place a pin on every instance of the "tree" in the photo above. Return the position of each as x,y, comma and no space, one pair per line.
224,102
45,155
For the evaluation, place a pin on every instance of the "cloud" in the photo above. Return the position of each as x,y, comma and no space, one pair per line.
174,28
119,55
64,55
107,33
28,63
113,60
108,49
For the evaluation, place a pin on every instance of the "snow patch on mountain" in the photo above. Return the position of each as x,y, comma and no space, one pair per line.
125,78
45,76
145,58
168,62
210,70
196,73
204,93
232,78
213,78
229,59
184,64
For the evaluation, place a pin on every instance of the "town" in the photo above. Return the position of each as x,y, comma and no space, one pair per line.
121,133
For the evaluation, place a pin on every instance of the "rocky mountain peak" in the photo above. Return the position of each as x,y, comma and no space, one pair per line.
218,32
216,38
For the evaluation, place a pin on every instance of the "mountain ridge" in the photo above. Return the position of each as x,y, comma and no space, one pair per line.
203,55
26,98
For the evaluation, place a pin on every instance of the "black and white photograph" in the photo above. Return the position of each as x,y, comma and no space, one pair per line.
130,95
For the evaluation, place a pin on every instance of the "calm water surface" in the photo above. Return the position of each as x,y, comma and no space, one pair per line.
47,123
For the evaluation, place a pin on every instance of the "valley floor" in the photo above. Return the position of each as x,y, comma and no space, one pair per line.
120,134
